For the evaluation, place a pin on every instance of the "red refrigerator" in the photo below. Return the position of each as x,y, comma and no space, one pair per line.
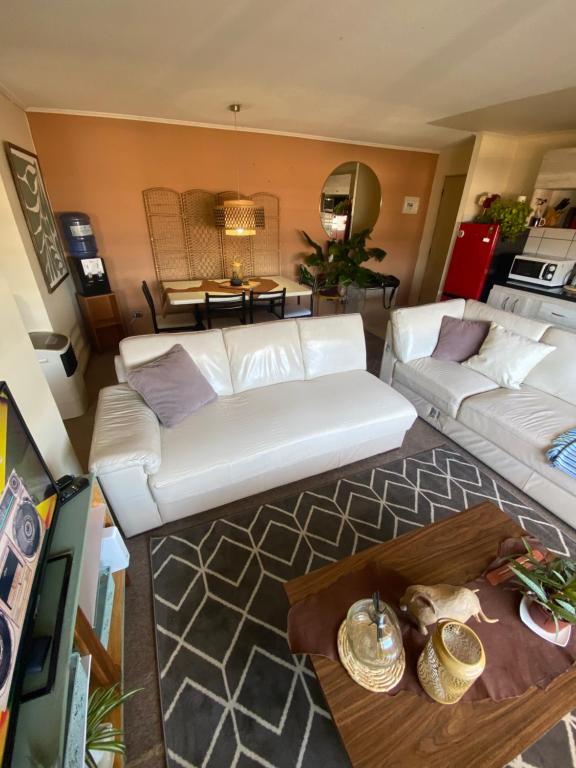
473,267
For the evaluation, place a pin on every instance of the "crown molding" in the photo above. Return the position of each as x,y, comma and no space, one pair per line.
220,127
7,93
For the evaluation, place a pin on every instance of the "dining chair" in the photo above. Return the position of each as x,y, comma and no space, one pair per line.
271,301
169,323
219,305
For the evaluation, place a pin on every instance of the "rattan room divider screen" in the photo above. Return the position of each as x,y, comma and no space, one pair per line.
187,246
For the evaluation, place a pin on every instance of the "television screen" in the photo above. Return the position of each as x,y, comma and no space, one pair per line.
28,501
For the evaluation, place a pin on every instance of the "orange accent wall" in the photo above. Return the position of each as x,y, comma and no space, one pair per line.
101,165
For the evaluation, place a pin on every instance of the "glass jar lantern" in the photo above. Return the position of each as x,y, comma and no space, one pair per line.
370,645
452,660
237,272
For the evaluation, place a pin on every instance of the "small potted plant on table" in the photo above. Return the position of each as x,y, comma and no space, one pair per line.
549,589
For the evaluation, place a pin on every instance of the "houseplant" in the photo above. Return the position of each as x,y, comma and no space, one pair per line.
550,588
101,736
341,263
512,216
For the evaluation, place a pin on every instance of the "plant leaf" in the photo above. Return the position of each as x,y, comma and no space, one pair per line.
524,576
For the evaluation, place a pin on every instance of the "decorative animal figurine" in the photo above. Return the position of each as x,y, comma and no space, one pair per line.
427,605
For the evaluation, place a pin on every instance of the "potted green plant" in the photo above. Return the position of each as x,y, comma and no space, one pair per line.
512,215
549,589
341,263
101,736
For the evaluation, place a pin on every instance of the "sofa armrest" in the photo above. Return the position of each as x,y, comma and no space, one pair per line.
126,433
389,358
121,376
415,330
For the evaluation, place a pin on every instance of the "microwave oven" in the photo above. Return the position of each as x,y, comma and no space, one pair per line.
540,270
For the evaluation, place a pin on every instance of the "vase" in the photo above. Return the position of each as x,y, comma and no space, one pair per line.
538,623
544,618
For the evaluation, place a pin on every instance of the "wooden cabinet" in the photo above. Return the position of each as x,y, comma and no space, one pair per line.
103,320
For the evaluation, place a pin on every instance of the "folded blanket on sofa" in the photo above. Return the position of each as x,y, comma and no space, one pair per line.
563,453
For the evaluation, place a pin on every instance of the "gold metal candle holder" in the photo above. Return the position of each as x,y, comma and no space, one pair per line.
452,660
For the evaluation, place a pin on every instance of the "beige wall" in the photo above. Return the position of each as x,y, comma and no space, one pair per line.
496,163
23,308
451,162
20,369
40,310
508,165
101,166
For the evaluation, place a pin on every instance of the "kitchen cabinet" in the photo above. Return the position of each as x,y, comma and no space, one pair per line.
513,300
557,312
547,309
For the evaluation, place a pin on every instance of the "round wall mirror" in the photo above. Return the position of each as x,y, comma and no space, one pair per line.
350,200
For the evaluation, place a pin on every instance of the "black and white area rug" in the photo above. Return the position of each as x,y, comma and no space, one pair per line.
233,696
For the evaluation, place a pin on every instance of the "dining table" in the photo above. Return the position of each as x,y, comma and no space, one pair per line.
180,292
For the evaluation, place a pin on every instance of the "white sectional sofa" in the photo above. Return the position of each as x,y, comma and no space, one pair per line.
294,399
509,430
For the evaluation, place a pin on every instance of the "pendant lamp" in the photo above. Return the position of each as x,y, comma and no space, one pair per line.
240,217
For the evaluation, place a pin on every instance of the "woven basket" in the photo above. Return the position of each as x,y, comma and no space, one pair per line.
376,680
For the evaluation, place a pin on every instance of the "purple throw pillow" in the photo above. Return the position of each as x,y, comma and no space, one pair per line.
172,385
460,339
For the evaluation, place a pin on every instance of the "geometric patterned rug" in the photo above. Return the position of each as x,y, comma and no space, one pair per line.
232,694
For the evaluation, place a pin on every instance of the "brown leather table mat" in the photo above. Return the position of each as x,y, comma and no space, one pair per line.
516,658
256,284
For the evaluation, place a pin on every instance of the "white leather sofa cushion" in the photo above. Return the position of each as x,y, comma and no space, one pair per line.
126,432
206,348
532,329
332,344
416,329
263,354
522,422
441,382
556,374
258,430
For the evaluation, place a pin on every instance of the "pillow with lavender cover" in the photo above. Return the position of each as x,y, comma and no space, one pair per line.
460,339
172,386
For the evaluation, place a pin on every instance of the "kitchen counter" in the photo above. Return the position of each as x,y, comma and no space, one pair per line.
553,293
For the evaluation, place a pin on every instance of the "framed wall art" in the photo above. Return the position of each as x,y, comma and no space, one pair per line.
38,214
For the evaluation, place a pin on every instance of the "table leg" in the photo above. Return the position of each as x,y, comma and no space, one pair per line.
199,319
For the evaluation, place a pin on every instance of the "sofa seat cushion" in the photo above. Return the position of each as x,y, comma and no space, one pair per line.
522,422
443,383
239,437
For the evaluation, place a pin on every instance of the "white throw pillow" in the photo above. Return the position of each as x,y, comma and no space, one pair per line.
506,357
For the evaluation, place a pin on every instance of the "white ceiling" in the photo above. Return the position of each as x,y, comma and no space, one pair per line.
370,71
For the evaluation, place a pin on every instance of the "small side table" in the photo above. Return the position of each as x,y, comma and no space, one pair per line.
103,320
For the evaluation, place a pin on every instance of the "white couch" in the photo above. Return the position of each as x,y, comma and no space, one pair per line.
295,399
509,430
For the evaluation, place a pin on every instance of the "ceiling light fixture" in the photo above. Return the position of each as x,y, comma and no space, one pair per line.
240,217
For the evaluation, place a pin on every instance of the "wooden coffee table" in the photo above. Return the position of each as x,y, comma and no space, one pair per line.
409,730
